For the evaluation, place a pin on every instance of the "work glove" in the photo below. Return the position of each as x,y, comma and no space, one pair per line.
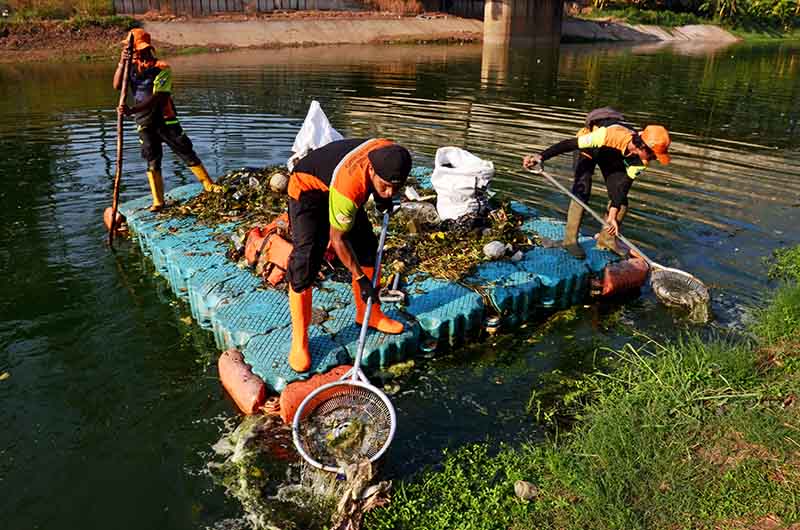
384,205
533,162
367,291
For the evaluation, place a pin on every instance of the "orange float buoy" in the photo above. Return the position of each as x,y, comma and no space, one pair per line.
624,276
296,392
247,389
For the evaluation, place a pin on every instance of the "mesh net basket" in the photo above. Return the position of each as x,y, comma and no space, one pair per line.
345,422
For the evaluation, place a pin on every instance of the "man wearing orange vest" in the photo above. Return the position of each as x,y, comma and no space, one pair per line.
622,154
156,120
327,191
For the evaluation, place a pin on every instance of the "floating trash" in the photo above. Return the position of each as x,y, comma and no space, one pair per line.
244,197
492,325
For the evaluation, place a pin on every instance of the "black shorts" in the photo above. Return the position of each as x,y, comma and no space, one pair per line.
308,218
151,137
612,165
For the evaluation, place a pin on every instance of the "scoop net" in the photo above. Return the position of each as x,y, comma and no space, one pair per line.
342,423
680,289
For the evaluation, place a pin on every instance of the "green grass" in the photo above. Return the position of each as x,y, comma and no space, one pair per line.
75,23
785,264
664,18
690,434
28,10
753,22
113,21
79,22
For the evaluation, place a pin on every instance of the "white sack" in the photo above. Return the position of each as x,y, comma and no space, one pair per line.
461,181
315,132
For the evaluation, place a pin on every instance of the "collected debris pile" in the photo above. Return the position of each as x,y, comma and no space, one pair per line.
451,249
419,240
249,195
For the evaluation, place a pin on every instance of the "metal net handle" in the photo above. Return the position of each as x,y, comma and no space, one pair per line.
355,373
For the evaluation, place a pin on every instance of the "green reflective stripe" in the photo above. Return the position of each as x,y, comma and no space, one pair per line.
634,171
171,122
342,211
163,81
596,138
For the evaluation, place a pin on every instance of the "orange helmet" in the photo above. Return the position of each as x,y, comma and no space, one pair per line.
141,39
657,138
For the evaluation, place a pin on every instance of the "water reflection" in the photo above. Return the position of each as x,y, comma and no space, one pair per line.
106,407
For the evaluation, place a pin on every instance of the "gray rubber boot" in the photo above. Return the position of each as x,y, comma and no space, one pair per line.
574,217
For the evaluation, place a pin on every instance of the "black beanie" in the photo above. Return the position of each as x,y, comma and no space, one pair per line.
392,163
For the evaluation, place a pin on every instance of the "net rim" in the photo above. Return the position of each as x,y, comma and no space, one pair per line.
699,287
351,382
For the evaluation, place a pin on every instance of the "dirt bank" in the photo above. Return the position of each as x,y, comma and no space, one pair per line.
58,40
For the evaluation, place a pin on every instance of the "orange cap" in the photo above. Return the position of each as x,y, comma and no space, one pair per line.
141,39
657,138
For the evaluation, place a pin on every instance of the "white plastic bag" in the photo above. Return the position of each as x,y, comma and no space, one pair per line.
315,132
461,181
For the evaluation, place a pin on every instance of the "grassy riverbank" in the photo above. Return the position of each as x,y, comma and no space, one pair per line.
749,20
77,38
691,434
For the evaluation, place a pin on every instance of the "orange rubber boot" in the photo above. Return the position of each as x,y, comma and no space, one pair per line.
300,307
377,320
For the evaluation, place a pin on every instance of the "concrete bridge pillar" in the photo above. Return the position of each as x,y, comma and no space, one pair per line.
522,21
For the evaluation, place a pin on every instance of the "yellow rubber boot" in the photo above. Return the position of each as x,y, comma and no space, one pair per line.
300,308
377,320
204,178
156,188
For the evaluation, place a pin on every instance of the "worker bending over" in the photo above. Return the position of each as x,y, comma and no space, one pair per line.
327,192
622,154
150,83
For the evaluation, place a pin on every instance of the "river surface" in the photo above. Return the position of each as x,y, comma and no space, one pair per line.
111,401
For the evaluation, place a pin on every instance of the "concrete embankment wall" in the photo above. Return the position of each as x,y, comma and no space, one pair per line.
308,32
288,32
591,30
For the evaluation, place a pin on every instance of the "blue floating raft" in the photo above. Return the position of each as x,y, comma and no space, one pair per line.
242,314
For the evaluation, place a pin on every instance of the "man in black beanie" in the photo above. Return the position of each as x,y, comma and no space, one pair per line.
327,192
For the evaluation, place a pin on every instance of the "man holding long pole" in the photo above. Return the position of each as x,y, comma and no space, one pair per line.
156,119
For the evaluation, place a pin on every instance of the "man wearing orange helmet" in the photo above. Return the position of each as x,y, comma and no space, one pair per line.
622,155
157,122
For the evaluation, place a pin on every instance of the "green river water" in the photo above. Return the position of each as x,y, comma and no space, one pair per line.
111,401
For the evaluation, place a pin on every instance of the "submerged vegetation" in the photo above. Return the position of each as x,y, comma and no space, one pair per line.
688,434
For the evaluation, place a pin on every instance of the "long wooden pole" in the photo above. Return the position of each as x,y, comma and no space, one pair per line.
123,92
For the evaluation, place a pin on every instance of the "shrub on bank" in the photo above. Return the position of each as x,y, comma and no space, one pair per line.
691,434
18,25
781,15
664,18
26,10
